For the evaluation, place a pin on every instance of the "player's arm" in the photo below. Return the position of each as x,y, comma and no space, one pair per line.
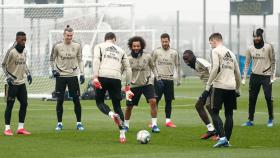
96,61
5,62
152,67
214,69
80,60
246,65
237,75
127,69
53,56
272,60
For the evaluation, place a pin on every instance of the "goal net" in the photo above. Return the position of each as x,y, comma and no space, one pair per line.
44,24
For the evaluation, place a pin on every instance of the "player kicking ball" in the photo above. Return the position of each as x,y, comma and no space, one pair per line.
142,67
202,67
14,67
109,63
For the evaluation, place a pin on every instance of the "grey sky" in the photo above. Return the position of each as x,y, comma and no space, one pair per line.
191,10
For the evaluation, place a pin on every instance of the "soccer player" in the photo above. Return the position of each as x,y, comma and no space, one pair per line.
142,81
202,67
225,80
66,58
166,60
263,69
109,62
14,67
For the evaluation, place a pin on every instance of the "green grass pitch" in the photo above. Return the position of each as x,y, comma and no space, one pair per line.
100,139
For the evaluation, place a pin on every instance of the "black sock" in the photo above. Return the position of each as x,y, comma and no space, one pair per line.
77,108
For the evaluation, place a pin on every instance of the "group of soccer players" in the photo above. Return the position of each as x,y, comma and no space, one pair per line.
150,74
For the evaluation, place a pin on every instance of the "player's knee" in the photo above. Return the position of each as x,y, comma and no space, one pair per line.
23,105
76,99
153,102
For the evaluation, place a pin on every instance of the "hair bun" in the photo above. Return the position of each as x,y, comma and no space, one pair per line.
67,26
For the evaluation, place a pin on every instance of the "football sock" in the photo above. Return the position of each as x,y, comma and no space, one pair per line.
7,127
111,114
210,127
20,125
126,123
167,120
154,122
122,133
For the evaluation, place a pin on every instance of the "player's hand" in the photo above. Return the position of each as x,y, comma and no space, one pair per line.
82,79
178,83
55,73
29,79
203,97
10,81
128,93
160,84
272,79
243,81
96,83
237,93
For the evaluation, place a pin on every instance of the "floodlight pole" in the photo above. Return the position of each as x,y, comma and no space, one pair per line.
264,24
238,37
2,28
178,30
229,33
204,29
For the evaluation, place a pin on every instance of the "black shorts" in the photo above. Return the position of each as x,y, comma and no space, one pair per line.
113,86
16,91
147,90
223,96
168,90
71,82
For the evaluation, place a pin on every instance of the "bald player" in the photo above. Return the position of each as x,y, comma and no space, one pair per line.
202,67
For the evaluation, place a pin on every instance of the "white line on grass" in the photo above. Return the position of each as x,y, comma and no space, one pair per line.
138,107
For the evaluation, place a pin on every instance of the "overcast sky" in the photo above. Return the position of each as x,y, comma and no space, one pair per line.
192,10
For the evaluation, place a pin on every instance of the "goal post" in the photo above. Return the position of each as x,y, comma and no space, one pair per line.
89,29
36,20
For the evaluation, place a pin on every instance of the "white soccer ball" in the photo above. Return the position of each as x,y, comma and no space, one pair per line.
143,137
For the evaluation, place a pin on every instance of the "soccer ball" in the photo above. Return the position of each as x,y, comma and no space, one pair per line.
143,137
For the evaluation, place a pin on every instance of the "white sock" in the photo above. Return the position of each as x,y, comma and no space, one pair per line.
7,127
167,120
59,123
111,114
126,123
20,125
154,122
210,127
79,123
122,133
